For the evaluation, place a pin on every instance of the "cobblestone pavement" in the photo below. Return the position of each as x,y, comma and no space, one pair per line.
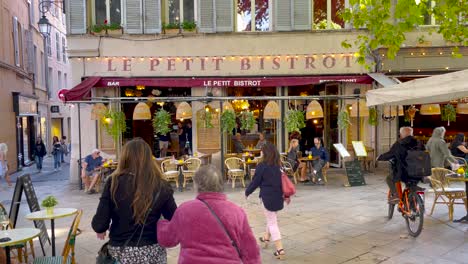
323,224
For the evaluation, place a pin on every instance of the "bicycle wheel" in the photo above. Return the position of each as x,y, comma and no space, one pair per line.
391,209
415,221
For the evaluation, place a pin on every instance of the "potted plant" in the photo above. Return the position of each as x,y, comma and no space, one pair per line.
295,120
98,30
189,26
49,203
114,29
228,121
448,114
170,28
161,122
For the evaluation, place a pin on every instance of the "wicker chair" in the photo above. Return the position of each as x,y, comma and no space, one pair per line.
193,164
462,162
288,168
325,172
170,171
236,170
447,194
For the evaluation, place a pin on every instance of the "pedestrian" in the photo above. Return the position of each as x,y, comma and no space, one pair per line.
188,133
196,228
322,160
181,132
63,145
458,148
56,152
261,141
438,149
90,169
163,144
4,163
134,198
39,151
268,178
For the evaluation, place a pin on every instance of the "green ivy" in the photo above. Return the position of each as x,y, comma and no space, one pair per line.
373,117
247,120
343,120
228,121
448,114
295,120
208,120
161,122
117,124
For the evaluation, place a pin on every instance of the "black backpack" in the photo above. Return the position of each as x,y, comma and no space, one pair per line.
418,163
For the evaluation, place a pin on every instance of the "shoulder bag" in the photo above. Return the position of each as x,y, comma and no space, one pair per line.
233,243
104,257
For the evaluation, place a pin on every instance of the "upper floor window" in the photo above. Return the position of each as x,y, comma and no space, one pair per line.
107,11
57,45
328,18
253,15
64,54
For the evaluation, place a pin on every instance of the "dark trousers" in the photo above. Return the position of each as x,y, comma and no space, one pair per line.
39,162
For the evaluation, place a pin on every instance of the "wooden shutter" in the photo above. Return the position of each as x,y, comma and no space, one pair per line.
30,52
133,19
302,15
152,16
283,15
206,15
76,19
224,15
16,41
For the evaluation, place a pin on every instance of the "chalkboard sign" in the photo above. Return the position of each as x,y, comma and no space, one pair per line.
354,173
24,184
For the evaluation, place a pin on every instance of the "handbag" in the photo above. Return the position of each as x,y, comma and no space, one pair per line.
233,243
288,187
104,256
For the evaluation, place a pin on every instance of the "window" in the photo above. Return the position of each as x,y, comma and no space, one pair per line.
32,20
34,61
64,53
49,45
59,80
174,12
57,45
322,14
65,81
42,68
16,44
253,15
107,10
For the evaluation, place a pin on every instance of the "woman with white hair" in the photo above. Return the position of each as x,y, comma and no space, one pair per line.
438,149
4,163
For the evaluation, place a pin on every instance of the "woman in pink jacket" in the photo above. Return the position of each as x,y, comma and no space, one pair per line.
210,229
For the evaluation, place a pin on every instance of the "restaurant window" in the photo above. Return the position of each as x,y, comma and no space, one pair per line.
253,15
322,14
109,11
175,12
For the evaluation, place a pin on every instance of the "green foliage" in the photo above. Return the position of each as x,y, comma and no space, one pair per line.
295,120
104,27
386,25
49,201
189,25
343,120
247,120
114,124
161,122
373,116
228,121
114,26
208,120
448,114
170,26
323,25
97,28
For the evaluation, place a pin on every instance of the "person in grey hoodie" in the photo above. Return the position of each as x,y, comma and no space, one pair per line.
438,149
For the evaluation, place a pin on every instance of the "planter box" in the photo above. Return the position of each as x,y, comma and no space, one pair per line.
171,31
100,33
115,32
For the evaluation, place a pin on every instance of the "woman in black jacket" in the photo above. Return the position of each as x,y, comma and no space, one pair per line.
268,178
39,152
128,210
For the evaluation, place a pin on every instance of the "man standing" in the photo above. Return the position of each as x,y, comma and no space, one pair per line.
89,170
163,144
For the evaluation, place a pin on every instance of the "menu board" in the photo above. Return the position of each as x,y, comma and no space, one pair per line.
208,139
354,173
359,149
24,184
342,150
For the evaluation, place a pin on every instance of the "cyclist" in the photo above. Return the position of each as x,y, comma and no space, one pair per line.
397,156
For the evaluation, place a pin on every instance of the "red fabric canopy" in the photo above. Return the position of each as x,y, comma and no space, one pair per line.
83,89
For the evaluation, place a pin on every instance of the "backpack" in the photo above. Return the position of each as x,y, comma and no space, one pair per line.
418,163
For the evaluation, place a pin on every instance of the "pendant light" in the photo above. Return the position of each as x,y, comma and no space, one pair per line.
363,110
314,110
141,112
184,111
462,108
272,111
430,109
98,111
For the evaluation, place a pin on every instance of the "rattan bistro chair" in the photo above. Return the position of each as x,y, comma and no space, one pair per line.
193,164
170,172
462,162
68,253
288,168
442,190
236,170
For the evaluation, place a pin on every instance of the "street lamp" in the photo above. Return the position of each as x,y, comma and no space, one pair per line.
44,26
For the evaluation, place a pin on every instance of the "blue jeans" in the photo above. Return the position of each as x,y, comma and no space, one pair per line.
39,162
57,160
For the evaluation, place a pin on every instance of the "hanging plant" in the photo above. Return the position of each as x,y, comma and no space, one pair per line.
373,120
343,120
208,120
448,114
228,121
161,122
247,120
114,124
295,120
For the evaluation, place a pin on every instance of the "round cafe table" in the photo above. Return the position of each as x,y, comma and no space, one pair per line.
17,236
58,213
461,179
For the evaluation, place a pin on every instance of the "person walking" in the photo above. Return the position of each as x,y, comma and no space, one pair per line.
268,178
134,198
63,145
202,237
438,149
4,163
56,152
39,152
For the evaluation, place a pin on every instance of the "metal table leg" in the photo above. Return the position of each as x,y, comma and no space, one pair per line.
7,253
52,227
181,179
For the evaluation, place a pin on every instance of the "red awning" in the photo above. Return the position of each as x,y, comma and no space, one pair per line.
83,89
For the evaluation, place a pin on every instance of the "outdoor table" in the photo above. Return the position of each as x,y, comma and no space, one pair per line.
309,163
18,236
58,213
249,164
253,151
455,177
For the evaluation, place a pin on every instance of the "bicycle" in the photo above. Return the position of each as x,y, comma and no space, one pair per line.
410,205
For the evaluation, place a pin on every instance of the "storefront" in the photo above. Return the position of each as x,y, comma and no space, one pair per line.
27,121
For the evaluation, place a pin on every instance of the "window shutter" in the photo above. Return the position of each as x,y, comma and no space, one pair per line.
301,15
30,52
206,16
76,16
133,11
16,41
283,15
152,16
224,16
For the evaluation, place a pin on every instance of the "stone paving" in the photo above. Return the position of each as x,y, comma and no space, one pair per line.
323,224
